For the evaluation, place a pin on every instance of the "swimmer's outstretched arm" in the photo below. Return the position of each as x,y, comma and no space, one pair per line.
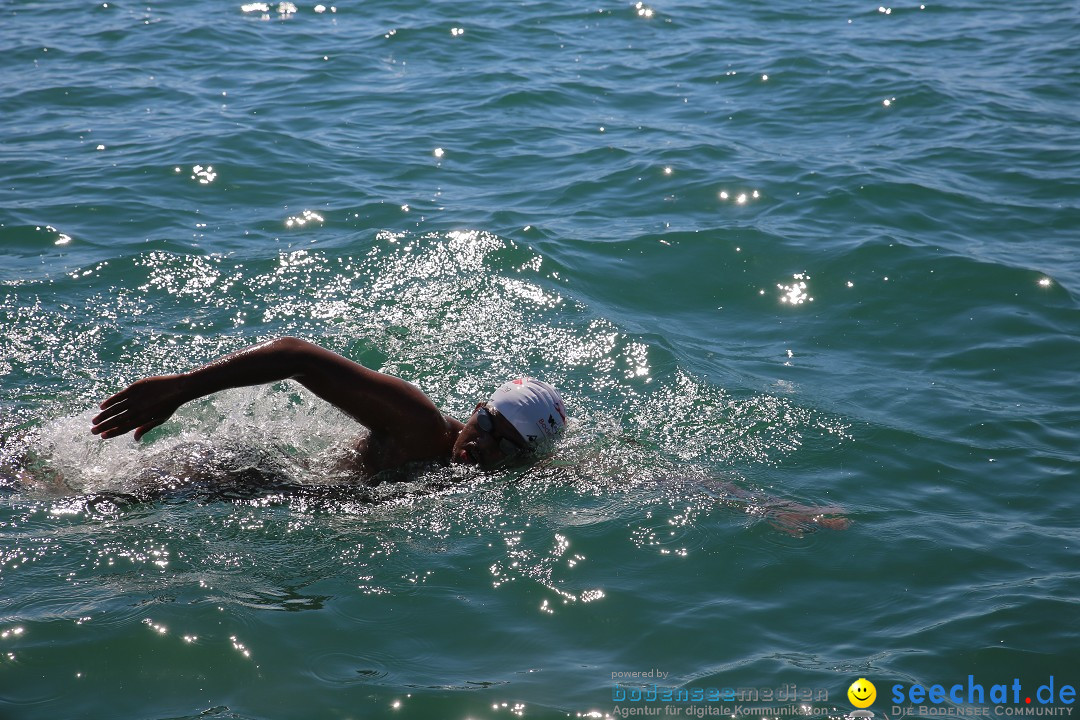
387,405
790,517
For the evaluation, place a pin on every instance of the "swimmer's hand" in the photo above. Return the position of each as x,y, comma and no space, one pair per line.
793,518
797,520
141,406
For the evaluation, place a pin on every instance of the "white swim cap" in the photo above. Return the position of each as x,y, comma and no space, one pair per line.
532,406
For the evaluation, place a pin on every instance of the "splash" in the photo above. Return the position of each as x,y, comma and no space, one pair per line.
456,313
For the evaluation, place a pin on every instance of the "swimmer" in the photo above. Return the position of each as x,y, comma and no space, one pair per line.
404,424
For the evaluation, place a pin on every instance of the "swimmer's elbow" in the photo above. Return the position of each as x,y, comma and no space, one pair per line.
290,343
295,355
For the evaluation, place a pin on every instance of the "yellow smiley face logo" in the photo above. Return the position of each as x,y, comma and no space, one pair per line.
862,693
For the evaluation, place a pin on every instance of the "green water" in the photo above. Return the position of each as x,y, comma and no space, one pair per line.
804,253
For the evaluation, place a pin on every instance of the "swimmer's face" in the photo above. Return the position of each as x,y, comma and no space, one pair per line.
488,440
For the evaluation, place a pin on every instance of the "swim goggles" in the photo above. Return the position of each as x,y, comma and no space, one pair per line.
485,420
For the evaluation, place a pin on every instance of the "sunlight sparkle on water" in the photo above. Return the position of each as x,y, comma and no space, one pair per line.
643,10
516,709
205,175
156,627
239,646
740,198
795,293
1043,282
308,216
61,238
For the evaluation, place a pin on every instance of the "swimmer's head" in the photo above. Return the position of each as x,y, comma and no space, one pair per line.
521,417
533,407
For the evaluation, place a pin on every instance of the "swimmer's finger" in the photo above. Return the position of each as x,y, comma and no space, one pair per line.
114,399
107,414
112,424
110,428
110,419
143,429
116,429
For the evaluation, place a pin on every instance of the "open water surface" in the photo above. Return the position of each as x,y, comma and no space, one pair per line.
822,253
